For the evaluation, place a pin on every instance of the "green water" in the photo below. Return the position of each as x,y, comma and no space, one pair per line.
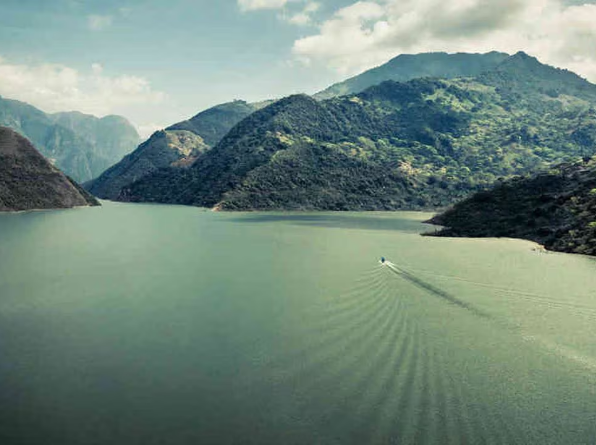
138,324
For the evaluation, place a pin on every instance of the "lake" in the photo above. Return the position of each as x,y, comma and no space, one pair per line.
142,324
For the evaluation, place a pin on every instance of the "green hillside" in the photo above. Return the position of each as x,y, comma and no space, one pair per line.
556,208
176,146
213,124
420,144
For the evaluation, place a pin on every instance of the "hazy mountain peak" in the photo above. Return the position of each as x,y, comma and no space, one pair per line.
82,145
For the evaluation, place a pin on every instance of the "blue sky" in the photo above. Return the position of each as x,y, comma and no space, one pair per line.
158,62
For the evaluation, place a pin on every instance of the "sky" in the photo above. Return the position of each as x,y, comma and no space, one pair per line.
157,62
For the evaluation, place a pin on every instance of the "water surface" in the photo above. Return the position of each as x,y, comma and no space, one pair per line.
141,324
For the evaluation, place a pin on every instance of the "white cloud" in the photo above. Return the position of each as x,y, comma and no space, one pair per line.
251,5
99,22
305,16
368,33
289,9
53,88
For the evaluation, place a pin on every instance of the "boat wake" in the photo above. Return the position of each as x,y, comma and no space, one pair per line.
433,290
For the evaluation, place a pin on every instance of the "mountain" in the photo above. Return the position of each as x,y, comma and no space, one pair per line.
162,149
113,136
413,66
177,146
556,209
81,145
28,181
420,144
213,123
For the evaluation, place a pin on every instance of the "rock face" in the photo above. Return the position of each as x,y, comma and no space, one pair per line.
177,146
421,144
28,181
81,145
556,209
414,66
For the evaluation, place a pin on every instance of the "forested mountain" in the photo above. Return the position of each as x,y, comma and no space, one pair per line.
176,146
81,145
413,66
28,181
420,144
556,208
213,124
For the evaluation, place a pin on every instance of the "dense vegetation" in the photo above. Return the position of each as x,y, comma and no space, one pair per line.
420,144
177,146
414,66
213,124
81,145
556,209
28,181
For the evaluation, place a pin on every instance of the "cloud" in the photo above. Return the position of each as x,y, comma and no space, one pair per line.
304,17
53,88
289,9
251,5
99,22
367,33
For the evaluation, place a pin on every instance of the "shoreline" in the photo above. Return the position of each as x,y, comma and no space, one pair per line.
17,212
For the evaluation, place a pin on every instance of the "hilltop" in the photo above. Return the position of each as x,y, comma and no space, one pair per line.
406,67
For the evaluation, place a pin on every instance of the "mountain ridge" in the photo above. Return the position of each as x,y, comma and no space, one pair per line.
406,67
444,138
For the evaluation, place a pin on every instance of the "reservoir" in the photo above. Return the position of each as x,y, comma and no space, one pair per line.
145,324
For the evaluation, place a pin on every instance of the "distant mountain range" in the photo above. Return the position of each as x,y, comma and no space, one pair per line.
28,181
424,143
556,208
81,145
